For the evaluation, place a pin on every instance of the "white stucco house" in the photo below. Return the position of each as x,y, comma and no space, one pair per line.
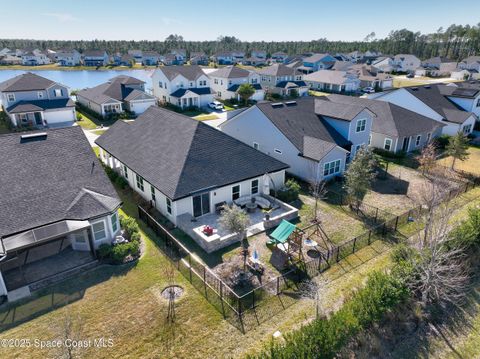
32,100
314,136
226,81
68,57
406,63
54,224
119,94
182,86
437,101
35,57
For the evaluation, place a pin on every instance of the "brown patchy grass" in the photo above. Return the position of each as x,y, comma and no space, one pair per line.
471,164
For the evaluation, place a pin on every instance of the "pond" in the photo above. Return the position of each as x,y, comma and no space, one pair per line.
80,79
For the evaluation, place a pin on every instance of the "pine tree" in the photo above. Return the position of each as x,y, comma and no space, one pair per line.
359,176
457,148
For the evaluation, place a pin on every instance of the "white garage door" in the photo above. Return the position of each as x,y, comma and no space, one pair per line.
140,107
55,117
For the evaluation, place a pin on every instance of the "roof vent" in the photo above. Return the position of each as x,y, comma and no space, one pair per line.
277,104
291,103
426,86
414,88
39,136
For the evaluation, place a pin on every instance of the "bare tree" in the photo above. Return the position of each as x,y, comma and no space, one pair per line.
315,290
169,273
317,187
427,158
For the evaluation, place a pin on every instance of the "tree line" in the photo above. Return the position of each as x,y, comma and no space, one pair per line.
455,42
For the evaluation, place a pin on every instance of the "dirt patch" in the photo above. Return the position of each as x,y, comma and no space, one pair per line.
174,291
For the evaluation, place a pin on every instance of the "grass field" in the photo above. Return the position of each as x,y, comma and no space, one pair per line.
471,164
402,82
206,117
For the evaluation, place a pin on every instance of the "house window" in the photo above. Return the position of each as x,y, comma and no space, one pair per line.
417,141
467,129
256,145
139,182
40,94
219,94
125,171
169,206
79,237
10,97
203,83
235,192
58,92
114,221
370,139
276,150
160,84
99,230
255,186
478,103
165,85
428,137
387,145
361,124
330,168
23,117
215,81
152,191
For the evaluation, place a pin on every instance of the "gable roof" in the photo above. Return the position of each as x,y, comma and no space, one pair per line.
230,72
116,89
40,105
298,119
235,87
438,60
328,76
316,58
198,90
51,178
391,119
180,156
26,82
277,70
191,72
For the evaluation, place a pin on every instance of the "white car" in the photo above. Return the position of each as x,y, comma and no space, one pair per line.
368,90
216,105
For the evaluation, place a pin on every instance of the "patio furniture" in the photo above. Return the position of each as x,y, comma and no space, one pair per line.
254,262
259,200
251,207
219,207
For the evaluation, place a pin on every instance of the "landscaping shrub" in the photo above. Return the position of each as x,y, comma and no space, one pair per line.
104,251
121,182
290,192
388,154
130,225
325,338
442,141
123,250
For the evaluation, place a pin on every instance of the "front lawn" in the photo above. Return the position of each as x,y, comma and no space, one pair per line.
317,93
206,117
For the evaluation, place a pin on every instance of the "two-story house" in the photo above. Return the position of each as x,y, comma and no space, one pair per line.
35,58
226,81
279,57
406,63
136,54
199,58
150,58
119,94
314,136
317,62
283,80
32,100
225,58
95,58
68,57
436,66
183,86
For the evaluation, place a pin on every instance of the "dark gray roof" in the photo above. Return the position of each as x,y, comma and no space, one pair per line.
197,90
297,119
116,88
437,60
26,82
191,72
49,179
340,111
391,119
291,84
40,105
277,70
230,72
467,89
181,156
432,96
94,53
315,57
235,87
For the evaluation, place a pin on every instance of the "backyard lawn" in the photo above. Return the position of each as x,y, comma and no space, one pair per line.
317,93
471,164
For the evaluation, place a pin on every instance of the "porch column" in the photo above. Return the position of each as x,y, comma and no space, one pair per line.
90,242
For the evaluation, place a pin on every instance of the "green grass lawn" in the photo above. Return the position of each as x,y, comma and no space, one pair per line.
471,164
317,93
206,117
86,122
99,132
403,82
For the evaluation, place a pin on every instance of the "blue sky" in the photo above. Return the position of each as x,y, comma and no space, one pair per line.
246,19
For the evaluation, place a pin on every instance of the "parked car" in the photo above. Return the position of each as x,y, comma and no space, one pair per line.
216,105
410,76
368,90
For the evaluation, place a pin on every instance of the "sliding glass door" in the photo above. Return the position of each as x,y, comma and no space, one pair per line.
201,204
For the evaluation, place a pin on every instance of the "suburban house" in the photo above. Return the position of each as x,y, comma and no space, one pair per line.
314,136
150,58
370,77
436,66
183,86
332,81
188,170
123,59
136,54
317,62
464,74
10,59
226,81
61,207
254,61
180,56
406,63
259,54
35,58
468,68
279,57
32,100
282,79
464,94
434,101
95,58
199,58
68,57
394,128
170,60
119,94
383,64
227,58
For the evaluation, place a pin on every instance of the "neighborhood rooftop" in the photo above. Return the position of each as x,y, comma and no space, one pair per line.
26,82
198,158
192,72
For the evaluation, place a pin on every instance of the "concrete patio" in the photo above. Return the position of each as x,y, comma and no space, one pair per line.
223,238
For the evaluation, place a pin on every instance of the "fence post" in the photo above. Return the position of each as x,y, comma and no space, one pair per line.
278,285
221,299
376,215
369,235
239,306
384,228
354,243
190,266
205,281
338,253
253,298
396,223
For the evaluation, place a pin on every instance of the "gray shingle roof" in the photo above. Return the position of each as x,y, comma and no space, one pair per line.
235,87
51,179
291,84
345,112
180,156
94,53
298,119
328,76
230,72
40,105
197,90
191,72
391,119
26,82
277,70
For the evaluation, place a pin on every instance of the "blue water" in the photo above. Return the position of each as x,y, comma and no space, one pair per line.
77,80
